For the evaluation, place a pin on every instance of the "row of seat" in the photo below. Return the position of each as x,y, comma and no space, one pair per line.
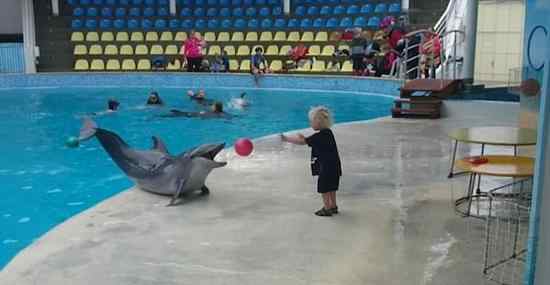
350,10
157,49
210,37
184,3
118,2
234,65
201,24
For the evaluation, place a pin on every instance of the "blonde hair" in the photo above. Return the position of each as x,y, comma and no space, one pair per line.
322,115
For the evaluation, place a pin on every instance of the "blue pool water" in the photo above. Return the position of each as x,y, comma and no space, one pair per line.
43,182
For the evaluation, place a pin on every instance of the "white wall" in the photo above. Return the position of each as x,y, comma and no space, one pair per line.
10,17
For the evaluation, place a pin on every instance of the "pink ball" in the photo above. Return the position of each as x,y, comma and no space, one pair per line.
243,147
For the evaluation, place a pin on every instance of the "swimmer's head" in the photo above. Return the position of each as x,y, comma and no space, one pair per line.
201,94
154,98
112,104
320,118
217,107
190,93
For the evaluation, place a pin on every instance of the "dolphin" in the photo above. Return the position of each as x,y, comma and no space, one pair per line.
156,170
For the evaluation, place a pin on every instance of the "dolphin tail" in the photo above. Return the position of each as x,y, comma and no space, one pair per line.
159,145
88,129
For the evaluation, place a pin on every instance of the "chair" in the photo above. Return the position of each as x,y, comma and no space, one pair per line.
239,24
186,12
160,24
250,12
151,37
134,12
227,24
176,65
343,47
252,24
248,2
366,9
313,11
328,50
110,2
360,22
305,23
113,65
293,24
137,2
338,10
90,24
149,2
212,12
293,37
261,2
133,24
251,37
180,36
166,37
380,8
276,11
126,50
106,12
233,65
105,24
81,65
325,10
91,12
200,24
237,37
245,65
85,2
199,12
318,66
156,50
163,12
136,37
122,37
319,23
280,23
210,36
98,2
107,37
213,24
214,50
284,50
97,65
394,8
171,50
332,23
146,24
266,37
124,2
77,37
347,66
225,12
346,22
111,50
352,10
306,67
128,64
280,37
141,50
237,12
174,24
223,37
274,2
321,37
243,50
272,50
92,37
300,11
199,3
80,50
144,64
266,24
307,37
276,66
314,50
76,24
230,50
95,50
78,12
212,2
265,12
120,12
374,22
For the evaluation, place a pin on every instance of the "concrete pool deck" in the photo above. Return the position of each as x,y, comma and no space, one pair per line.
257,226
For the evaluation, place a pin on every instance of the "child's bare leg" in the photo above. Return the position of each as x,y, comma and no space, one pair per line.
326,200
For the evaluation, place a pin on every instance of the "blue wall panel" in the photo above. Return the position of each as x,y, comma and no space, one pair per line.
11,58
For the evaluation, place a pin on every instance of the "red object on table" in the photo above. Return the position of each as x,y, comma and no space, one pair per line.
477,159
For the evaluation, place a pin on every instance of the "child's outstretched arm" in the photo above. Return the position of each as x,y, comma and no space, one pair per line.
298,139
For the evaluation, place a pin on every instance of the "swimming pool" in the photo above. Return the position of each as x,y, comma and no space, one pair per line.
44,182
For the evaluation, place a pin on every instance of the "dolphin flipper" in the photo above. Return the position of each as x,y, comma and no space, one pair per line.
88,129
159,145
178,193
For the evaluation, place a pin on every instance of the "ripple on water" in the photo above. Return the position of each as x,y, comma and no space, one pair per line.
24,220
55,190
20,172
6,215
28,187
9,241
74,204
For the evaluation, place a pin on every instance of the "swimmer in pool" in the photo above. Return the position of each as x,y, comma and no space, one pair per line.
154,99
215,112
240,102
200,97
112,105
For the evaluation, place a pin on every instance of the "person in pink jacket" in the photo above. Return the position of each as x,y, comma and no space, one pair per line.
193,51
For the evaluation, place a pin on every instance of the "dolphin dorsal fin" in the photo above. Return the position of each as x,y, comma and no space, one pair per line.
159,145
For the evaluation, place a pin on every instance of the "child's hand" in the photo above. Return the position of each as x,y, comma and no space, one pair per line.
283,137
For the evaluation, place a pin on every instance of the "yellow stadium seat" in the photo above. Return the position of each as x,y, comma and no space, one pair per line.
305,67
81,64
113,65
284,50
347,66
176,65
237,37
243,50
233,65
272,50
307,37
77,37
223,37
254,48
229,49
97,64
293,37
95,50
318,66
210,37
111,50
276,65
151,37
128,64
144,64
251,37
126,50
266,37
92,37
245,65
142,50
314,50
343,47
171,50
166,37
180,36
321,37
214,50
157,50
80,50
280,37
122,37
136,37
107,37
328,50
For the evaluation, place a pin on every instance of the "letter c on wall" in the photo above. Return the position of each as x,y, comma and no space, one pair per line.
529,47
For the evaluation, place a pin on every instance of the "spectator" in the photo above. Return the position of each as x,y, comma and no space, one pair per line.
358,45
220,63
225,61
258,64
205,65
338,58
298,56
193,52
159,63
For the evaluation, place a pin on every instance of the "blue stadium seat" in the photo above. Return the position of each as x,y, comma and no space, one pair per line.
279,23
200,24
120,12
119,24
212,12
305,24
325,10
85,2
238,12
248,2
187,24
360,22
251,12
212,2
227,24
91,12
310,2
149,2
266,23
298,2
98,2
313,11
300,11
225,3
186,12
346,22
148,12
346,1
374,22
394,8
236,2
225,12
339,10
133,24
163,12
91,24
261,2
78,12
199,12
106,12
160,24
163,2
264,12
105,24
253,24
239,24
213,23
318,23
134,12
174,24
332,23
110,2
146,24
366,9
274,2
76,24
199,2
353,9
124,2
293,23
186,3
276,11
72,2
137,2
380,8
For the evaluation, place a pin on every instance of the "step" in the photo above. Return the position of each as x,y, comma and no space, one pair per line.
415,113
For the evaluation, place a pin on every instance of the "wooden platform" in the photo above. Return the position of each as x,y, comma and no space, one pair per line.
436,87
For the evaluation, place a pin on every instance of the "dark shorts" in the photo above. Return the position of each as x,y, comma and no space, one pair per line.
328,183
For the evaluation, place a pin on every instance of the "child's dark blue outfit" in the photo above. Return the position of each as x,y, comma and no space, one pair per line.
325,161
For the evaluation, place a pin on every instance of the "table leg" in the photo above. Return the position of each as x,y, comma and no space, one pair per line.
515,150
453,157
487,237
479,178
471,186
